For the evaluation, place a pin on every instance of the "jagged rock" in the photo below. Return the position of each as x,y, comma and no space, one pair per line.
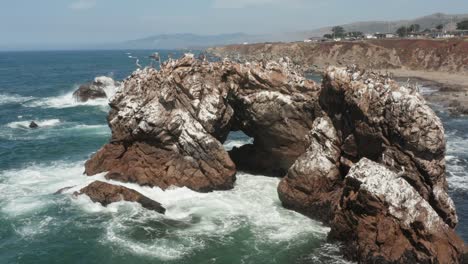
385,122
166,129
168,126
312,185
371,116
382,219
105,194
101,87
275,106
33,125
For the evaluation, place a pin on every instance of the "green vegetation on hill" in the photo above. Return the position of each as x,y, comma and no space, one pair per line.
463,25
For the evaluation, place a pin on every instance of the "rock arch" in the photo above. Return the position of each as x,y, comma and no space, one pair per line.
168,127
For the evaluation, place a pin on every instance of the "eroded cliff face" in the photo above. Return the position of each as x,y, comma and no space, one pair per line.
381,218
425,55
359,152
168,126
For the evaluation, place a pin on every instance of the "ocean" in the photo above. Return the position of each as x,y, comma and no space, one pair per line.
243,225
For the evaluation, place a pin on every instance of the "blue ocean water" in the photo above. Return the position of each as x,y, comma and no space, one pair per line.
244,225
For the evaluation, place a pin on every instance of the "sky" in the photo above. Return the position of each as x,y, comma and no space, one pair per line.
41,23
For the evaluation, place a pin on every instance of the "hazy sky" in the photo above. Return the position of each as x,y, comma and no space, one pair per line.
65,22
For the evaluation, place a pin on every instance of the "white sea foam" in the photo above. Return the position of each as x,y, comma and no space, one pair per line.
25,190
196,217
423,90
40,123
13,98
231,143
457,164
67,100
253,202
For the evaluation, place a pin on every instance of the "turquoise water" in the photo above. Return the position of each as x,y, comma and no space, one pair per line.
244,225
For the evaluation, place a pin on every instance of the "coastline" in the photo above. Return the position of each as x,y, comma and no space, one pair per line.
448,90
446,82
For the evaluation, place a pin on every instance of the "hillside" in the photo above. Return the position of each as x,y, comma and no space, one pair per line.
439,57
193,41
426,22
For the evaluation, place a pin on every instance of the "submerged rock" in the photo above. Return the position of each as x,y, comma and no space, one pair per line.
382,219
33,125
95,90
63,190
105,194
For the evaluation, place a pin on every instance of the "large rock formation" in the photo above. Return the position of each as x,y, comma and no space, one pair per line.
381,218
317,169
275,106
385,122
105,194
373,118
168,127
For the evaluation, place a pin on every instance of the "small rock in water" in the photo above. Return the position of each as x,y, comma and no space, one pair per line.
105,194
33,125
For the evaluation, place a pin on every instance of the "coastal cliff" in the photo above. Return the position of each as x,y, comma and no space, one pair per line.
359,152
445,60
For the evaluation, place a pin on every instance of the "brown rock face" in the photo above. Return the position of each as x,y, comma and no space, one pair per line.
276,107
380,120
372,118
381,218
360,152
105,194
168,126
316,169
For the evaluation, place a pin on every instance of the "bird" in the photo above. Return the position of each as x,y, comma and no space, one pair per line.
137,63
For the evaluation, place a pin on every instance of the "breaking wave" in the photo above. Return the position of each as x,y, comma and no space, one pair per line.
40,123
13,98
67,100
192,221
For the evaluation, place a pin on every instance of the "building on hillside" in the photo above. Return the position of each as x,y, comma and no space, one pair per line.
460,33
315,39
384,35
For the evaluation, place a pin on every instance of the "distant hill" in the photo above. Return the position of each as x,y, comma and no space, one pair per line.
193,41
189,41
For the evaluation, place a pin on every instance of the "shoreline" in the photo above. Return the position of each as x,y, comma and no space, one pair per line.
451,90
446,82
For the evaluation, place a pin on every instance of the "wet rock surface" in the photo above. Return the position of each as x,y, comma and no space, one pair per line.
105,194
95,90
33,125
